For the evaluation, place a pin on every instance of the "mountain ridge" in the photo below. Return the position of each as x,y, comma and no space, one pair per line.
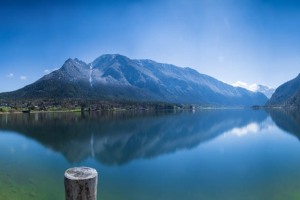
115,77
287,94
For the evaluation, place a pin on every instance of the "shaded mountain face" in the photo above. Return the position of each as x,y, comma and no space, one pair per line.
116,77
287,95
118,138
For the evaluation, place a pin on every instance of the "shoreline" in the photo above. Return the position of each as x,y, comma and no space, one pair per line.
128,110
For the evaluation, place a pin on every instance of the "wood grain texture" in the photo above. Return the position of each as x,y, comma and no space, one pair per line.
81,183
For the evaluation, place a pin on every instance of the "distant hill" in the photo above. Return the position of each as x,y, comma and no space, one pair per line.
116,77
287,95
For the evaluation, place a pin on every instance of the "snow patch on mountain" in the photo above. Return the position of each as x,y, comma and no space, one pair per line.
266,90
252,87
91,71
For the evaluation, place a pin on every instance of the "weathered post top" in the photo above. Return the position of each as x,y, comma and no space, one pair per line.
81,183
80,173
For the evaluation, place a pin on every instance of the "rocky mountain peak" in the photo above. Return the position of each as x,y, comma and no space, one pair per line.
109,59
117,77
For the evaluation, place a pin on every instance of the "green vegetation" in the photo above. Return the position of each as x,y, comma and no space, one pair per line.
5,109
8,109
79,105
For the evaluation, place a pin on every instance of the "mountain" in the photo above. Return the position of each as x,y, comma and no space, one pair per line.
116,77
266,90
287,95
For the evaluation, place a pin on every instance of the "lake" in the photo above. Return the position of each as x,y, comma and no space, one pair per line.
206,154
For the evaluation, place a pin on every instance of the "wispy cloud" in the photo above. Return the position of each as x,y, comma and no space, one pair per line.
10,75
23,78
48,71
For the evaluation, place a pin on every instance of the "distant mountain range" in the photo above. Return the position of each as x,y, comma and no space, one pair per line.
287,95
266,90
116,77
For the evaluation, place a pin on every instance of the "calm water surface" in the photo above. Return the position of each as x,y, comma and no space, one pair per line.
213,154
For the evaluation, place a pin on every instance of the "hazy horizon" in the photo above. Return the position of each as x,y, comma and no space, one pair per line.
251,41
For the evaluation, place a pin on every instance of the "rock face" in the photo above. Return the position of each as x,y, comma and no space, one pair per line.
116,77
287,95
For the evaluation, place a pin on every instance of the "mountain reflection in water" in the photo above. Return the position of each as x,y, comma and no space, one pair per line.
287,120
117,138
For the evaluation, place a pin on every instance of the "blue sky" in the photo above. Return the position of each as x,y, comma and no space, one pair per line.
254,41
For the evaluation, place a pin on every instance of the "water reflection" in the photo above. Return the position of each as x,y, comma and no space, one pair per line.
287,120
117,138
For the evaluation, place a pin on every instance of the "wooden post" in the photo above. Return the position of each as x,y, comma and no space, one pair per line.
81,183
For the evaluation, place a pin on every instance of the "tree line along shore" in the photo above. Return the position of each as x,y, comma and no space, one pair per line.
70,105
